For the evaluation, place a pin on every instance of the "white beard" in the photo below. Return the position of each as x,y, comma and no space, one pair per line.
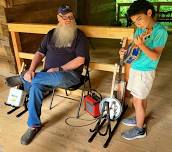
64,35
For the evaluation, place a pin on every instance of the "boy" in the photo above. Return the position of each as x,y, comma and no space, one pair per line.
142,71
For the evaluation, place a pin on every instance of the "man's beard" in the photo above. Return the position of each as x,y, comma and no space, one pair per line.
64,35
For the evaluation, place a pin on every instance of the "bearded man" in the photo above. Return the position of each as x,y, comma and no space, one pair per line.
65,49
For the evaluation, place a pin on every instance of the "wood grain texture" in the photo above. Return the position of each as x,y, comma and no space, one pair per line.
90,31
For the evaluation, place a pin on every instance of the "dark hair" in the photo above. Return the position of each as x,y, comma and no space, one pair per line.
140,6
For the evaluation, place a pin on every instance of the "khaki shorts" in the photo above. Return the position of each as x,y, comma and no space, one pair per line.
140,83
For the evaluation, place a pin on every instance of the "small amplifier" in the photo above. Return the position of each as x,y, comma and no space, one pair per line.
91,103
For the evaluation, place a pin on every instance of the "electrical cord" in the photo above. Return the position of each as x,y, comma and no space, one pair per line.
84,125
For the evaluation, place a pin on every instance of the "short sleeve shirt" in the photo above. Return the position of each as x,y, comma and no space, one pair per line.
56,57
157,38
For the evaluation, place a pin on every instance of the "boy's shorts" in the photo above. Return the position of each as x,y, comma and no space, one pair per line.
140,83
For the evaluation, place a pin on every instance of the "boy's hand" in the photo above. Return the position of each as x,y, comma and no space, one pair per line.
139,41
122,52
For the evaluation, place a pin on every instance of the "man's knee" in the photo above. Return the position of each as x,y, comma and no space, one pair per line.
35,90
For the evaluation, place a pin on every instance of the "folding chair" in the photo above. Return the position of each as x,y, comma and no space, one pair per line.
84,78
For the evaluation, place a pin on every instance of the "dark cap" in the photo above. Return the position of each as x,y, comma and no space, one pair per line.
64,9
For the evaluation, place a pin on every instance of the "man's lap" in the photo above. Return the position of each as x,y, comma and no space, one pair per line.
54,79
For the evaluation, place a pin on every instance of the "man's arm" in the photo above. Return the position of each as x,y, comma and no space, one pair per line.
37,59
71,65
35,62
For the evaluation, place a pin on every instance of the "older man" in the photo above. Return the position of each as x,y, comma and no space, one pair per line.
65,49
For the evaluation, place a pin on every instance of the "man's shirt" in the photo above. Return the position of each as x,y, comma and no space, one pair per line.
56,57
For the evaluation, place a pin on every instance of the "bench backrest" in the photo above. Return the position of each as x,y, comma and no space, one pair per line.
90,31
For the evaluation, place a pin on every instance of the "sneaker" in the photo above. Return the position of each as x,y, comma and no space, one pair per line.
134,133
130,121
13,81
29,135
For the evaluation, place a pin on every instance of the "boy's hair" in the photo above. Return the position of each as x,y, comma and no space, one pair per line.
140,6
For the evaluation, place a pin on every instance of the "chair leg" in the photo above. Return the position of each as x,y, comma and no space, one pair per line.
80,103
89,84
66,92
77,116
52,99
89,81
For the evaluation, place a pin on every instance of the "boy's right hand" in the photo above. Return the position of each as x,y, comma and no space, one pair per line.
29,75
122,52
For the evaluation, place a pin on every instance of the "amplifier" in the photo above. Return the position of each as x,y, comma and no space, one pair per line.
91,105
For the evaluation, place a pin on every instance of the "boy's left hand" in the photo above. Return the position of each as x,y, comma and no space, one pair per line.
138,41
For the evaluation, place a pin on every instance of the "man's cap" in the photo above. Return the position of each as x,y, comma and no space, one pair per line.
64,9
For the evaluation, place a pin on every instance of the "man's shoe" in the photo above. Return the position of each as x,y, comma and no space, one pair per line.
13,81
134,133
29,135
130,121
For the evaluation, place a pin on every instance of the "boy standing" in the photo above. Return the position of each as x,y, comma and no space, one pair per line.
142,71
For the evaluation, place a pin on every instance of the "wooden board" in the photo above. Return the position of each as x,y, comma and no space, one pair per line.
5,67
3,3
7,62
90,31
2,15
12,3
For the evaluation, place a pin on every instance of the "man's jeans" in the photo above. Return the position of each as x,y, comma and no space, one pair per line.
42,82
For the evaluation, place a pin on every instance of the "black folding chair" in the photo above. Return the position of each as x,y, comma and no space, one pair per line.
84,79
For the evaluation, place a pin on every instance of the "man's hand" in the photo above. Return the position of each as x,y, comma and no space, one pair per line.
122,52
53,70
29,75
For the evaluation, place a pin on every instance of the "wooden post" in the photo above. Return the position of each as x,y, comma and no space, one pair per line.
17,48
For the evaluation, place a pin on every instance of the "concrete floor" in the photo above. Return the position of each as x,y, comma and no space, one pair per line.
56,136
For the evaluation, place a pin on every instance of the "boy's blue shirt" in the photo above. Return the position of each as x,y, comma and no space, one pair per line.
157,38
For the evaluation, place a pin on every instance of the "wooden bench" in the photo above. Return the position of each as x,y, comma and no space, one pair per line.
90,31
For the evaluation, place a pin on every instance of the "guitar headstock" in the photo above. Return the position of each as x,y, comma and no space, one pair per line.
124,42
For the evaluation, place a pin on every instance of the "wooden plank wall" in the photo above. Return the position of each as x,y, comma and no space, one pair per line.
3,3
96,12
7,61
33,12
37,11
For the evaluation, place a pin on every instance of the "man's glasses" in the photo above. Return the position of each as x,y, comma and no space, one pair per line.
67,17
